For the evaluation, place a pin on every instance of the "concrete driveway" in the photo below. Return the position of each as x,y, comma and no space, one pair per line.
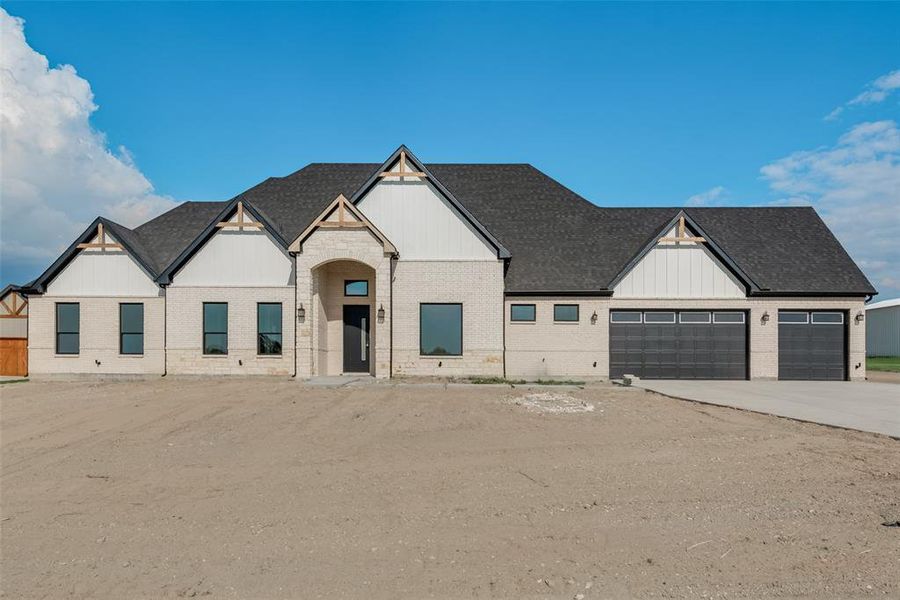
866,406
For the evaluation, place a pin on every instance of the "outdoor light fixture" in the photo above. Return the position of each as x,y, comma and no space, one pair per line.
860,317
765,317
381,313
301,313
594,318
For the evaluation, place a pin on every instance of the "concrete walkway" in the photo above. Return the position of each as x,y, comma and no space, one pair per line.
866,406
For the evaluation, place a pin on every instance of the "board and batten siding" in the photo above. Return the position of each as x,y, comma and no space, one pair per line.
103,273
684,270
248,258
421,222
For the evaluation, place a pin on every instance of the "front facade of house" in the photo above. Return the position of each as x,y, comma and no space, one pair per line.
403,268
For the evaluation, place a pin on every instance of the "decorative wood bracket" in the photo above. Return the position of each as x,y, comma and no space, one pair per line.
342,221
401,171
348,217
14,311
240,223
101,245
681,235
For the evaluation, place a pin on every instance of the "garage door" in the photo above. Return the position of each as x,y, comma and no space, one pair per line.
811,345
678,344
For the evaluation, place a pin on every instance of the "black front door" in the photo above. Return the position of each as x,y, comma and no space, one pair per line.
356,338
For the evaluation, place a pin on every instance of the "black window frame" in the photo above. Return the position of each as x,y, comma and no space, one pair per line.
205,332
77,332
123,333
347,282
522,305
461,329
577,318
260,333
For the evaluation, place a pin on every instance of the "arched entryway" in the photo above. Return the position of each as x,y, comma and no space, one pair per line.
344,318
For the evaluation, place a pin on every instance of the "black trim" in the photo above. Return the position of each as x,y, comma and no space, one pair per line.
122,333
165,278
502,252
848,295
280,306
56,330
577,318
461,328
204,332
349,281
533,313
750,286
39,285
564,293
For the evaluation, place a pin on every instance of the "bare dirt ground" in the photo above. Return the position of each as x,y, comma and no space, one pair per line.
270,489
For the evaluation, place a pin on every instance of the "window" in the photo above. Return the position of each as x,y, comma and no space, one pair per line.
521,312
694,317
440,329
800,318
68,324
728,317
827,318
565,312
659,317
268,328
215,328
131,328
353,287
625,317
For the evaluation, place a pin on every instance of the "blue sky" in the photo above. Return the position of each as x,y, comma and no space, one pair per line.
627,104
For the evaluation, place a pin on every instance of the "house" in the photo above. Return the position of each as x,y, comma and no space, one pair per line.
883,328
13,332
406,268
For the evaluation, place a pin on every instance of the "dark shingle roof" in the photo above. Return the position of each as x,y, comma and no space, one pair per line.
166,236
559,241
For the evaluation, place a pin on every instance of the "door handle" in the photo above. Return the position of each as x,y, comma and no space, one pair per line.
363,342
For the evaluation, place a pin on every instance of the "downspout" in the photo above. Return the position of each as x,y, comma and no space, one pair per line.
294,315
391,324
165,331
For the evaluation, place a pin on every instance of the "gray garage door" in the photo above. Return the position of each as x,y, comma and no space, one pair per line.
811,345
678,344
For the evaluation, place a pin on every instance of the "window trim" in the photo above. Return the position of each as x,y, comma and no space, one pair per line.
123,333
56,330
577,318
615,313
349,281
812,317
533,313
280,305
695,312
204,333
793,312
462,338
660,312
729,312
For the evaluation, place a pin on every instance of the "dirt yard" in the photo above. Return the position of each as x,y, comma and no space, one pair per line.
271,489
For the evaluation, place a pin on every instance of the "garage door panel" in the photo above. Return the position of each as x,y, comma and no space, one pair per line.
809,349
692,349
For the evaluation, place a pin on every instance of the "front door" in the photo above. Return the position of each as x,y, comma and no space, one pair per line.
356,338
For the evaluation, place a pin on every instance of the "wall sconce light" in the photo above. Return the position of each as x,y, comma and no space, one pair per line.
860,317
301,313
594,318
765,317
381,314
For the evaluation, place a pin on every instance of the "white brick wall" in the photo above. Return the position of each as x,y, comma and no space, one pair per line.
99,337
184,331
478,285
547,349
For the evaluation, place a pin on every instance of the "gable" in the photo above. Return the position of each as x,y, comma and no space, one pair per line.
237,256
683,269
421,221
107,271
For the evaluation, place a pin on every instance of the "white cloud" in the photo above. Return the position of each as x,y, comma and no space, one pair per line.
855,186
710,197
875,92
58,173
